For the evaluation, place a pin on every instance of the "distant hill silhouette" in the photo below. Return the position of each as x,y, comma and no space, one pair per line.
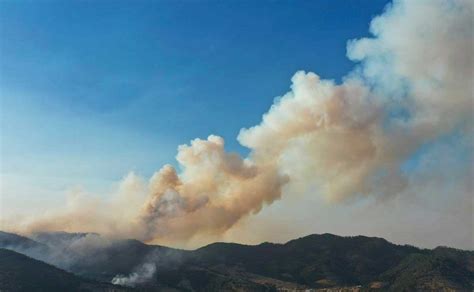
18,241
323,261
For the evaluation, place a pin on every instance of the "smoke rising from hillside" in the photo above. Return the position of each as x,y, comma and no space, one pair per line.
412,86
143,274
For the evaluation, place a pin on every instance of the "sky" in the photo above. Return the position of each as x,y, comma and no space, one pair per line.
93,90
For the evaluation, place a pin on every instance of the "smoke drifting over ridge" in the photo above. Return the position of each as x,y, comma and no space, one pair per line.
349,140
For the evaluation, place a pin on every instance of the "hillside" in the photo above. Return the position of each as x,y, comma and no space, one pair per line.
315,261
326,260
323,261
21,273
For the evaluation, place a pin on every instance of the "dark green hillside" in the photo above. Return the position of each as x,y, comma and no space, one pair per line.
21,273
315,260
441,269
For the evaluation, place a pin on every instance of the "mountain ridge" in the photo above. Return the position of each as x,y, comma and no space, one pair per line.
315,261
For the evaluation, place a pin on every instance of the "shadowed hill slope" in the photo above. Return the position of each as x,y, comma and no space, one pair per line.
328,260
21,273
307,260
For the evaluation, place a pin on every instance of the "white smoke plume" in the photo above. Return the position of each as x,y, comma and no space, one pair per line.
412,86
142,275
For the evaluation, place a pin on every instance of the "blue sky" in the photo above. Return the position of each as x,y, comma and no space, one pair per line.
91,90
